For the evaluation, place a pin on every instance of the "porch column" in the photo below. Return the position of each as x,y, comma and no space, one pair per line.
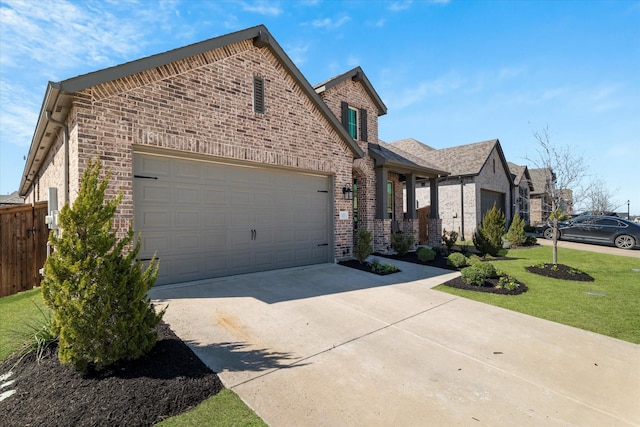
381,193
435,203
411,196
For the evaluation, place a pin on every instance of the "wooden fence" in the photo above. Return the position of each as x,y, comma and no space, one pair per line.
23,247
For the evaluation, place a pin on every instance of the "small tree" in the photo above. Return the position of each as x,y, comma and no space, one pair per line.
488,237
516,235
362,248
95,287
401,243
566,168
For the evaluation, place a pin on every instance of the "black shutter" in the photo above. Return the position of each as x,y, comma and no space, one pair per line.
345,114
258,95
363,125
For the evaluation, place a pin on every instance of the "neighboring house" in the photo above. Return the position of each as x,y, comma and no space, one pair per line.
540,208
11,200
523,186
228,160
478,177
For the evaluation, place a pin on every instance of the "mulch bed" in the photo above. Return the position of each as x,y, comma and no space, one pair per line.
562,271
168,381
365,266
488,286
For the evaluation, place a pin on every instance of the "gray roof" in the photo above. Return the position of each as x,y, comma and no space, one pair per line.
539,178
402,161
413,146
58,95
460,160
11,199
357,75
519,173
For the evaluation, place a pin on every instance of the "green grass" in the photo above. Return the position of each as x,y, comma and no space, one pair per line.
223,409
615,314
20,313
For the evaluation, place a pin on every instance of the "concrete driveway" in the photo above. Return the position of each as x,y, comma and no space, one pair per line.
590,247
327,345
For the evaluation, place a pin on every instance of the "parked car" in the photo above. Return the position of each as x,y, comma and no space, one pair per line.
623,233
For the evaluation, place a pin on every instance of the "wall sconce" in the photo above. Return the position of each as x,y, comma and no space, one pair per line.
347,192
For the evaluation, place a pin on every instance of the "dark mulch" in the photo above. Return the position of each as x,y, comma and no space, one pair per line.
169,380
365,266
561,271
488,286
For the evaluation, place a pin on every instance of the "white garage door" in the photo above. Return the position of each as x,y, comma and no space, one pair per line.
206,219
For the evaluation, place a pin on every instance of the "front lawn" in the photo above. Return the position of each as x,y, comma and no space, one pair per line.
610,305
21,313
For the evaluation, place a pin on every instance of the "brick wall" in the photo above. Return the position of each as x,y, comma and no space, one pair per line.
204,105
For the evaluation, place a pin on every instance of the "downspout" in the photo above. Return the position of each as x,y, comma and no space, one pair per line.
65,141
462,209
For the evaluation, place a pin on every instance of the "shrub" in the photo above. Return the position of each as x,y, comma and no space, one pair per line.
449,239
507,283
531,240
426,254
362,248
486,268
488,237
401,242
473,259
97,290
516,234
380,268
472,276
457,260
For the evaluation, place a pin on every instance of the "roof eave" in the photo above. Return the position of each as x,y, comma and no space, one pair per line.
357,75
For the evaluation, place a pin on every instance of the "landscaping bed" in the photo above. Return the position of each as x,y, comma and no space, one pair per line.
559,271
440,261
489,286
380,269
169,380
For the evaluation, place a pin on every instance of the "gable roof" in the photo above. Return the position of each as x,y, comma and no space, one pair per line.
402,161
519,173
11,199
462,160
357,75
413,146
58,95
540,178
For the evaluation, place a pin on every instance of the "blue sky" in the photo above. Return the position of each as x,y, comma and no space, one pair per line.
450,72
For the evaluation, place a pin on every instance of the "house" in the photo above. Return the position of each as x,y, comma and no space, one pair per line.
229,161
540,208
523,186
12,199
478,177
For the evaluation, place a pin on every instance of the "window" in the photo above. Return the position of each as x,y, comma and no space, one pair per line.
352,123
258,95
389,199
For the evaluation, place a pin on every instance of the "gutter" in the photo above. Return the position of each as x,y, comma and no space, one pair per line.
65,142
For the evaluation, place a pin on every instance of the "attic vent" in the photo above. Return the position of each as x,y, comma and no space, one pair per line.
59,109
258,95
48,134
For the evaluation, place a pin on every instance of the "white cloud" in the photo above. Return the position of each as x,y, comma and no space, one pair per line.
330,23
397,6
422,91
297,53
262,8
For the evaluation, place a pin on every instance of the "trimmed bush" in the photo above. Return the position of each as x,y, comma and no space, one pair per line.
401,243
531,240
516,234
488,237
95,286
473,259
457,260
362,248
426,254
472,276
486,268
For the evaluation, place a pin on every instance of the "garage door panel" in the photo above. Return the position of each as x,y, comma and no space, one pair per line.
199,217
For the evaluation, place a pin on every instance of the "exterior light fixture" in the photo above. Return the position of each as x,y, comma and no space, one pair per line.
347,192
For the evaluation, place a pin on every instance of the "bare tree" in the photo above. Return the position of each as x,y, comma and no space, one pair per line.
566,169
596,197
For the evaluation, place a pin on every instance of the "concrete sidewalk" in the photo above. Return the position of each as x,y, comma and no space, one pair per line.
329,345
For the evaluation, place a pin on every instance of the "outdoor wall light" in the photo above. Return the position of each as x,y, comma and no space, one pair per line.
347,192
